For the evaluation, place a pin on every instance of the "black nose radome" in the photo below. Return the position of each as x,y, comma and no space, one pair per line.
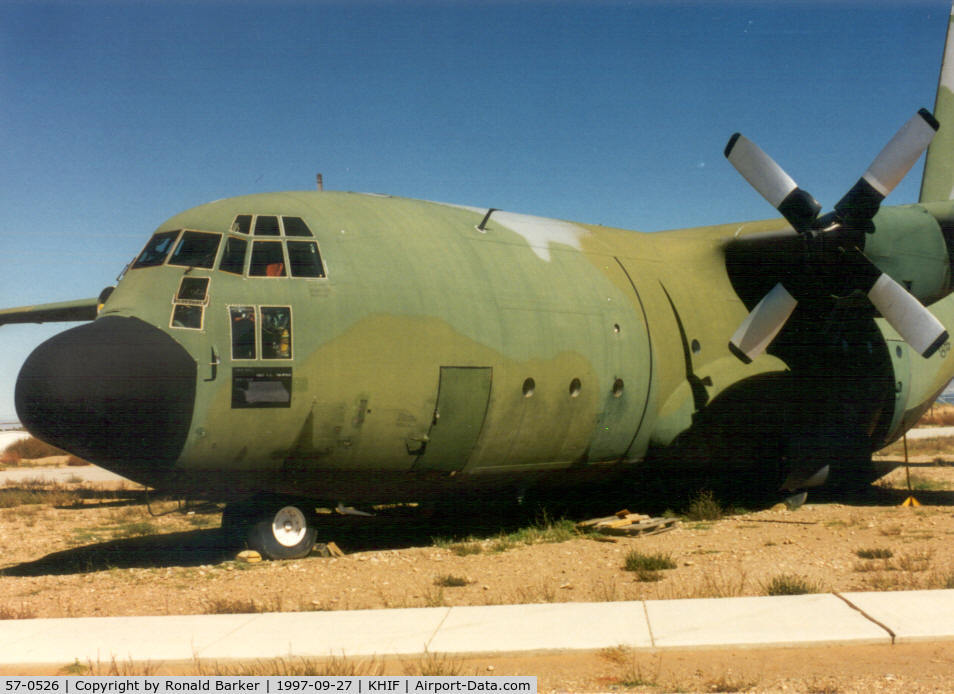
116,391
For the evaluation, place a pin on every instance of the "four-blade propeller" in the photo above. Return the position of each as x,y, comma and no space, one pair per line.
843,228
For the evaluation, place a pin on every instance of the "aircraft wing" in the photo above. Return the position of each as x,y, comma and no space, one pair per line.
59,312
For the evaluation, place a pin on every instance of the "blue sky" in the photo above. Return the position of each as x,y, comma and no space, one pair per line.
116,115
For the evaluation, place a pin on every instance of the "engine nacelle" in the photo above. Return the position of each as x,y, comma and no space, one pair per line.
908,243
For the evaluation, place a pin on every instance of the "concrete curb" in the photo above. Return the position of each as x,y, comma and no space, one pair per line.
747,622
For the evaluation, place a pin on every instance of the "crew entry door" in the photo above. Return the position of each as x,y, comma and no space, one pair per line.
463,395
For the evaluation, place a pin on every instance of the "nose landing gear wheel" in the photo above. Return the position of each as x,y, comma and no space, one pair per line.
284,533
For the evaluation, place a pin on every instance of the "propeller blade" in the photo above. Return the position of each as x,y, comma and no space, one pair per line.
771,182
908,316
892,164
762,325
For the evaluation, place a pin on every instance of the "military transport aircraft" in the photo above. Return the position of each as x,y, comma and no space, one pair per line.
275,351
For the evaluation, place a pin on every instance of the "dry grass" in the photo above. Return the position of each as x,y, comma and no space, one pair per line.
434,665
243,606
27,494
21,612
632,670
939,415
30,449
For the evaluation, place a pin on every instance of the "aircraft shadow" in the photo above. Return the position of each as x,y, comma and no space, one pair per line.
189,548
403,527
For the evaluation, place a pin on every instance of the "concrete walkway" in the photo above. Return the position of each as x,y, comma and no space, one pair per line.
801,620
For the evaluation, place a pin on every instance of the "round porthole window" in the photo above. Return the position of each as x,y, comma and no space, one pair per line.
528,387
575,387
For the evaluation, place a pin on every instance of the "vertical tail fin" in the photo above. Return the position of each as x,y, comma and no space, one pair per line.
938,181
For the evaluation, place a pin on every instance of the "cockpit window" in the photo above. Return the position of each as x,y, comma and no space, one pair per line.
196,249
267,260
233,258
242,224
193,290
295,226
276,332
243,331
156,250
304,259
266,225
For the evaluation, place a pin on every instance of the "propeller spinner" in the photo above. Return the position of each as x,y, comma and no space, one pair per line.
845,227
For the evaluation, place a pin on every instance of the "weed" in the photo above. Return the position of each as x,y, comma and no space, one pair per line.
874,553
727,682
637,561
938,415
115,668
920,483
699,526
914,561
293,667
434,665
890,530
22,612
941,580
31,449
790,584
648,576
704,507
25,495
890,580
201,521
137,529
104,533
242,606
870,565
462,549
544,530
451,581
716,584
434,598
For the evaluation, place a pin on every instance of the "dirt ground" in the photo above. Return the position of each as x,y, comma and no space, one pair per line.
85,550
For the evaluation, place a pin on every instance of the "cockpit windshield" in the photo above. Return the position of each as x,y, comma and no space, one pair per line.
196,249
156,250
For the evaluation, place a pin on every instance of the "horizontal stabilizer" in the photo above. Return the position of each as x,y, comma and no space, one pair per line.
60,312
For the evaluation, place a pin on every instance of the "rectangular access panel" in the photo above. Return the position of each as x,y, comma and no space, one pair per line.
462,399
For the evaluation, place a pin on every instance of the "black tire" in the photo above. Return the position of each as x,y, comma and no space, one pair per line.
284,532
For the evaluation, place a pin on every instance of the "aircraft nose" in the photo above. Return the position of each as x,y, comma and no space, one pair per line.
116,391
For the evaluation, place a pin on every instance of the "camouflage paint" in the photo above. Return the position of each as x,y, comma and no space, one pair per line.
938,181
619,350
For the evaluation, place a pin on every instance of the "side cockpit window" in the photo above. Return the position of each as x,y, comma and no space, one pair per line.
156,250
242,319
188,310
276,332
196,249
